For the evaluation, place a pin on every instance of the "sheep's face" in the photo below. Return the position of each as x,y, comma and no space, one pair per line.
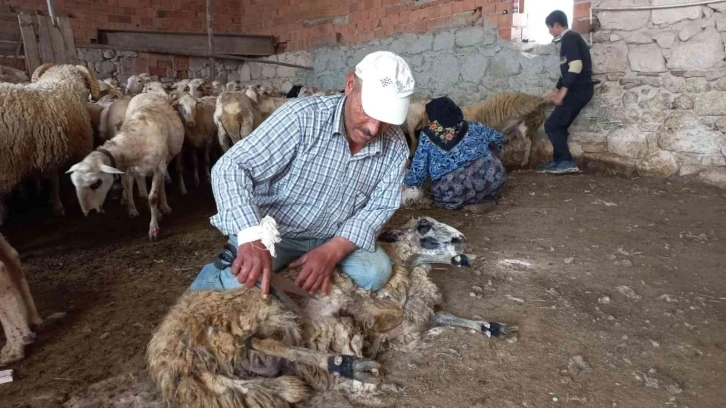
92,180
187,107
154,87
430,241
134,85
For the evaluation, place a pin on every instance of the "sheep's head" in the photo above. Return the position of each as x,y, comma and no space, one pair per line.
134,85
92,179
155,87
186,105
427,241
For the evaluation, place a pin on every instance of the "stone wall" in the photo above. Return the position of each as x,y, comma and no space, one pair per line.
171,68
661,107
468,64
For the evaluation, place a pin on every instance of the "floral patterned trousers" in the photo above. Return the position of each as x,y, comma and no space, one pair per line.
478,182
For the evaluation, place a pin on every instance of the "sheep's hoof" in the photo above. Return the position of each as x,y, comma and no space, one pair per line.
499,331
349,367
11,354
154,233
58,211
165,209
133,213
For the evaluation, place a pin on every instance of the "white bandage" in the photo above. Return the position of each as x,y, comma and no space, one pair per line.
266,232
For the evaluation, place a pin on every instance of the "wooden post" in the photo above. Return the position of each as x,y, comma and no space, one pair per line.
210,38
51,12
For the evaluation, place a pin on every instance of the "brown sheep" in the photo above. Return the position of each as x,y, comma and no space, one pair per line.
513,114
234,349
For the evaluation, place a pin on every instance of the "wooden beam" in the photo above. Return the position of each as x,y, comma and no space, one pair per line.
45,42
196,54
210,40
233,44
64,25
30,44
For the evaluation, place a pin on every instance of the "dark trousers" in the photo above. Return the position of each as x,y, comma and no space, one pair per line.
562,117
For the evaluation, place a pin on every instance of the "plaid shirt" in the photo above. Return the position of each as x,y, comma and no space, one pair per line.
297,168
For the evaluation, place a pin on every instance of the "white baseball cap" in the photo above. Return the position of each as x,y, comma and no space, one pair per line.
387,86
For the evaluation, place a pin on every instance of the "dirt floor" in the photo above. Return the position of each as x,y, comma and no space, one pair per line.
618,287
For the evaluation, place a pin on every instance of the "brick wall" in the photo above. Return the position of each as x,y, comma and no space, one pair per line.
295,24
581,16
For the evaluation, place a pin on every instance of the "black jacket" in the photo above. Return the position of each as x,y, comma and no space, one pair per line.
573,48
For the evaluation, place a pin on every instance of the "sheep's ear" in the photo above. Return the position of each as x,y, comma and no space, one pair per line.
73,168
423,226
392,235
110,170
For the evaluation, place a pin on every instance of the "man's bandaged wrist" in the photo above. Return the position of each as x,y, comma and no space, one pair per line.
266,233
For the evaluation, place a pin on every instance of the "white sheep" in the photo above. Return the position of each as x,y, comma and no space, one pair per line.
233,348
152,134
17,308
45,125
135,83
198,87
235,116
200,130
264,103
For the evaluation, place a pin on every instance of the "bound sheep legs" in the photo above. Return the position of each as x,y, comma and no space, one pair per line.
336,364
491,329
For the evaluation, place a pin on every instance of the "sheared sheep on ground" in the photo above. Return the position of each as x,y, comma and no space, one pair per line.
152,134
232,348
235,116
17,309
513,114
45,125
200,131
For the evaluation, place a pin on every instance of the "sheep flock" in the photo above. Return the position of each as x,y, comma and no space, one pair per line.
105,136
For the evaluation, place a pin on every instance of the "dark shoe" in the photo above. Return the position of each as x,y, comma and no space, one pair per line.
564,167
546,167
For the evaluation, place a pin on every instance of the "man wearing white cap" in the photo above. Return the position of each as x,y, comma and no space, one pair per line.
315,183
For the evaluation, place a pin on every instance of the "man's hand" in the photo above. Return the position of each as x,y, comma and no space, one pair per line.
317,266
253,261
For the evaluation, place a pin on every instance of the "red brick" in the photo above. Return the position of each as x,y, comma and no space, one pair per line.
505,33
444,10
581,26
457,7
157,71
469,4
505,20
503,6
581,10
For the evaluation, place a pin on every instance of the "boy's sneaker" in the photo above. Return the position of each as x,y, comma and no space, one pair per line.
564,167
546,167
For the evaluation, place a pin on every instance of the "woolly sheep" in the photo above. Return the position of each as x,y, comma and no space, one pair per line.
17,309
232,348
235,116
152,134
198,117
45,124
517,114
